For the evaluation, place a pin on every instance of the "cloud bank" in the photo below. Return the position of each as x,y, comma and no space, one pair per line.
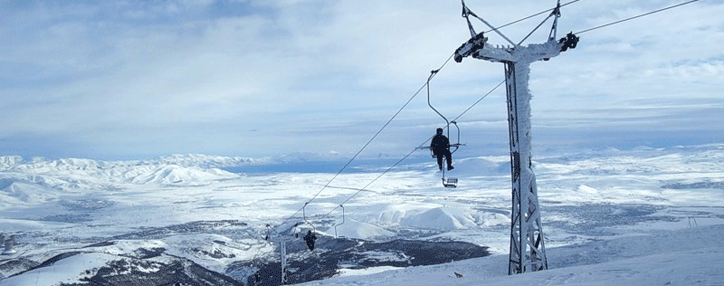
130,79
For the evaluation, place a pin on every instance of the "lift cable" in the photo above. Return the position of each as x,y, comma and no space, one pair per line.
531,16
637,16
423,86
366,144
409,154
479,100
397,113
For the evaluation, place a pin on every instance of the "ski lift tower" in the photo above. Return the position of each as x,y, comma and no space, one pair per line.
527,248
282,251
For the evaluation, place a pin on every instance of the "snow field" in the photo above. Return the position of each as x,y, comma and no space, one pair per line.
690,256
586,197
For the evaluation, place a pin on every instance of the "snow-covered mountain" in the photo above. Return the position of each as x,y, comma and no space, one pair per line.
610,217
206,161
69,174
187,160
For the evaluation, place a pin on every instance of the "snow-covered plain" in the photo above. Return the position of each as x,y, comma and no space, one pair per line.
635,217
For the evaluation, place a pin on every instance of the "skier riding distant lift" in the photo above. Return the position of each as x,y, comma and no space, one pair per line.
440,147
310,239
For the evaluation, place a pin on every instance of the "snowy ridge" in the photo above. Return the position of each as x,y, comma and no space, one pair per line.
22,191
444,219
300,157
206,161
38,180
7,162
488,165
39,165
172,174
360,230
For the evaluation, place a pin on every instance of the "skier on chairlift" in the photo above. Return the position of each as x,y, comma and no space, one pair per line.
310,239
440,147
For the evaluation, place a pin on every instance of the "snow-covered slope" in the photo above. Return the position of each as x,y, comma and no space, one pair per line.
444,219
356,229
692,256
19,191
598,208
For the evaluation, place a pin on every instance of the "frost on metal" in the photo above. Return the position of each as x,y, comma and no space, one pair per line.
519,54
527,248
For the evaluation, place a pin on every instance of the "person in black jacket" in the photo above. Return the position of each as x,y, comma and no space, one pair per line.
310,239
440,147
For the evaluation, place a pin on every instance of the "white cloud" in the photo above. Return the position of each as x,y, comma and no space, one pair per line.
203,76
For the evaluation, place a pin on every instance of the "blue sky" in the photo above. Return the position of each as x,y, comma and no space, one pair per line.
139,79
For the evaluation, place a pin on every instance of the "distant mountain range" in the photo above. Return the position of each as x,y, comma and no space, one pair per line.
184,160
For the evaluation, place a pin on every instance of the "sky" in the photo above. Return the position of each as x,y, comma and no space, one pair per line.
254,78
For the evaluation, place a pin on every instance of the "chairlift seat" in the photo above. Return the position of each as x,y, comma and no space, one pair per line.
450,182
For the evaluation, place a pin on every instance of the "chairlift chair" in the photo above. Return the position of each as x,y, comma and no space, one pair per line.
311,237
446,182
449,182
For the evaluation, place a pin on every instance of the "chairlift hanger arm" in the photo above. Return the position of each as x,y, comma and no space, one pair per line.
456,145
432,74
311,237
343,220
304,215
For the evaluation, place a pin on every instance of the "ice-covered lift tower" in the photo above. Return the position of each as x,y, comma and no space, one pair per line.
527,248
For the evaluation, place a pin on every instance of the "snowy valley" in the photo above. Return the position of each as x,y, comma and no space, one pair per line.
646,216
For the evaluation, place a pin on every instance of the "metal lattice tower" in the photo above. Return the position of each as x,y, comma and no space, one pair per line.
527,246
